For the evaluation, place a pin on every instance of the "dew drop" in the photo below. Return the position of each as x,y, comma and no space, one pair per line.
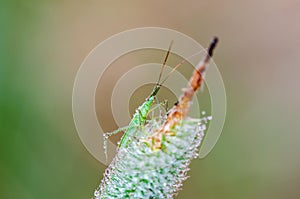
96,194
107,171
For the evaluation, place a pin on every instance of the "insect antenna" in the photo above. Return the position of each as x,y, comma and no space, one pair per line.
158,84
164,62
179,64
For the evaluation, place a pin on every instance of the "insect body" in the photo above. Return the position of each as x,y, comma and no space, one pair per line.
138,118
142,111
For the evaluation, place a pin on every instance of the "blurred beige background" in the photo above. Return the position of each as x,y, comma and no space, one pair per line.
43,43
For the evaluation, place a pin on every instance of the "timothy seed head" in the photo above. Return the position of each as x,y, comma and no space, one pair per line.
137,171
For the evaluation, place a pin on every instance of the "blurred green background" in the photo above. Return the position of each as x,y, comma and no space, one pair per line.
43,43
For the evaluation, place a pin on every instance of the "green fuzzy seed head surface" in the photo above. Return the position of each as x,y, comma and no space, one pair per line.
137,171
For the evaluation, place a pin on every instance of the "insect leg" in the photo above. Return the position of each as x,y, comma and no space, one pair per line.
141,117
108,134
